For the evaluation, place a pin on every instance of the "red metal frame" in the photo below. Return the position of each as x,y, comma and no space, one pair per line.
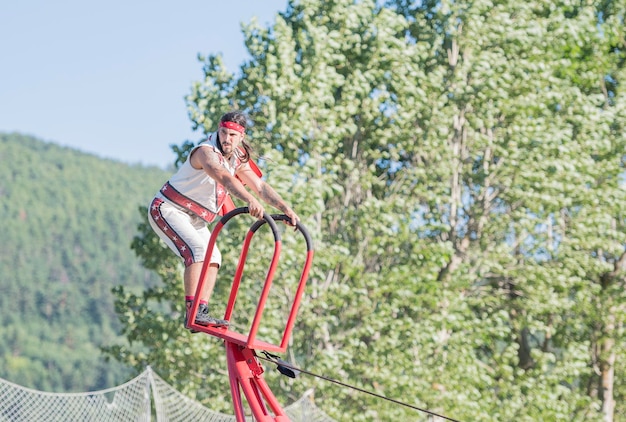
244,369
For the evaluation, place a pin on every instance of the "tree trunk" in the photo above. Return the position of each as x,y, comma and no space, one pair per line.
607,373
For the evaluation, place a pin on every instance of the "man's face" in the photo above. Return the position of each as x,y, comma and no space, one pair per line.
230,140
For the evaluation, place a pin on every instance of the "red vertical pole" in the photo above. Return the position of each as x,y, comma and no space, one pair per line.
296,302
237,280
235,392
246,374
264,294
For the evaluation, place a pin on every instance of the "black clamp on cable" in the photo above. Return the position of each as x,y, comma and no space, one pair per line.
283,367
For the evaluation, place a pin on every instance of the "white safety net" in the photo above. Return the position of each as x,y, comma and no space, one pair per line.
128,402
172,406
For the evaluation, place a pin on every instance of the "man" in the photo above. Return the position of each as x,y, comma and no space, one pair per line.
195,194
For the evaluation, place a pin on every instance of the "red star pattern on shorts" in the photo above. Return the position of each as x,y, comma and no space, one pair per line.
181,246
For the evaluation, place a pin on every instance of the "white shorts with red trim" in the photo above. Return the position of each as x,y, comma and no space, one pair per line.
186,234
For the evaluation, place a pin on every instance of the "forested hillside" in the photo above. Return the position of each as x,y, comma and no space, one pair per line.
68,219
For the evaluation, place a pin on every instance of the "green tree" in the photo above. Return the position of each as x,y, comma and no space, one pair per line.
461,168
534,158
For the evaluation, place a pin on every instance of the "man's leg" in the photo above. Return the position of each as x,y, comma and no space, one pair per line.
192,277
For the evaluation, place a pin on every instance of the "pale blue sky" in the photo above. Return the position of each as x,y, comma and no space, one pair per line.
109,78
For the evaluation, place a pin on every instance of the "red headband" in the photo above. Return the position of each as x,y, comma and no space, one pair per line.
233,126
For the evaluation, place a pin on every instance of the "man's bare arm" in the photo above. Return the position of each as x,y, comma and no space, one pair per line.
266,192
269,195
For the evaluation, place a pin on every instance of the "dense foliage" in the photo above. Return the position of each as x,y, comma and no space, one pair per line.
68,221
461,166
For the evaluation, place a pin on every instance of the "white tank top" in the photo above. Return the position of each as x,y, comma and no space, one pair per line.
196,191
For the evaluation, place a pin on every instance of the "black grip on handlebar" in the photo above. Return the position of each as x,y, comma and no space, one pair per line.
299,226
